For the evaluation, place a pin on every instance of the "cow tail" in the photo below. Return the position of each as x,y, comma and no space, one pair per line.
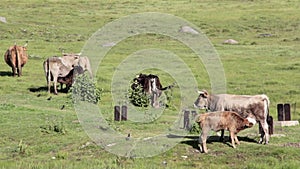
47,71
168,87
18,60
266,106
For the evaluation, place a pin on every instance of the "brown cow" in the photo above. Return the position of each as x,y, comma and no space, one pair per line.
222,120
68,80
16,57
256,106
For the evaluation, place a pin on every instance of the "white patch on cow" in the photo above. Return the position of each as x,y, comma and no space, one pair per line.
251,120
153,87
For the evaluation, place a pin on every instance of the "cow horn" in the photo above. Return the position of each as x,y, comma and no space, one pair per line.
200,92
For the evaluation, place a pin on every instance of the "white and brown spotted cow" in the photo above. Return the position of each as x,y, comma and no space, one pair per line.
151,85
256,106
222,120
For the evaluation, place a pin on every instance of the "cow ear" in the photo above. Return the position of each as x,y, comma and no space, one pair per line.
205,93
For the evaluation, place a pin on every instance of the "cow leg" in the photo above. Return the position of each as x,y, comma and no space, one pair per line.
49,86
49,82
55,83
203,138
236,140
61,86
202,141
222,136
232,136
13,71
265,132
154,100
19,70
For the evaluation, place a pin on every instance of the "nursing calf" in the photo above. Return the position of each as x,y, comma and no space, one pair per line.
255,106
222,120
69,79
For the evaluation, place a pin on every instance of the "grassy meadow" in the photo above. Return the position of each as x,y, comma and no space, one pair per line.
41,130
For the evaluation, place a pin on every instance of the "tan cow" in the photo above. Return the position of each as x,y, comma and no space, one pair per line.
222,120
59,67
256,106
16,57
54,67
82,61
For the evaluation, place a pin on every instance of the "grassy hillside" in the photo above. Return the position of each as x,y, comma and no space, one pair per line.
41,130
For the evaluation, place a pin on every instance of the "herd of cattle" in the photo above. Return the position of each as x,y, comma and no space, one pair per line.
228,112
57,69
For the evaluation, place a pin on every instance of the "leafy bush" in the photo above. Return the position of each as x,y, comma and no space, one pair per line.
138,97
54,125
84,89
195,129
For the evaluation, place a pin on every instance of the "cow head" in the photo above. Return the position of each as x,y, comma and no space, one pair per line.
249,122
202,100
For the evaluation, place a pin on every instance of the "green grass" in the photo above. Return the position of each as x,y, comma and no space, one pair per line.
37,133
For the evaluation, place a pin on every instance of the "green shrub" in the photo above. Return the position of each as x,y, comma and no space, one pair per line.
84,89
195,129
138,97
54,125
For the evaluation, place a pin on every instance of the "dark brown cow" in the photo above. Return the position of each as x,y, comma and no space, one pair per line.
256,106
222,120
151,85
16,57
68,80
